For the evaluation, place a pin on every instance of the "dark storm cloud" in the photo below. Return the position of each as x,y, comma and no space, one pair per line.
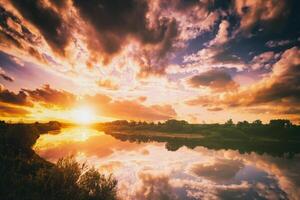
116,20
59,3
49,23
215,79
184,4
10,23
13,33
9,40
51,97
274,21
20,98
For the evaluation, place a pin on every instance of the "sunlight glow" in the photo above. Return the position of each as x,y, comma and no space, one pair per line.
65,136
83,115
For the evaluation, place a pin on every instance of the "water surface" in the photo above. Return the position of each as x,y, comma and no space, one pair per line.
149,170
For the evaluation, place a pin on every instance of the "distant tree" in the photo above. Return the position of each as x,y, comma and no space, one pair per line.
229,123
132,123
120,122
175,125
175,122
243,124
151,124
280,123
257,122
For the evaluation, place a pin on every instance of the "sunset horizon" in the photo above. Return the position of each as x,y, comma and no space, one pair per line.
149,99
203,62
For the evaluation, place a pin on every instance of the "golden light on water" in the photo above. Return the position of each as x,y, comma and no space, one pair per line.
67,135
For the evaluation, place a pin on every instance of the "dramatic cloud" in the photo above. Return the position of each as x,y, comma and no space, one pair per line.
283,85
20,98
123,50
215,53
130,21
263,60
280,88
49,22
253,12
222,35
17,39
51,97
12,28
217,80
147,33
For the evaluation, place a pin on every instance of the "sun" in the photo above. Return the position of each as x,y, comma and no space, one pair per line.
83,115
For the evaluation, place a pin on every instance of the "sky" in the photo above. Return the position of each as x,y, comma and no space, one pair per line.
204,61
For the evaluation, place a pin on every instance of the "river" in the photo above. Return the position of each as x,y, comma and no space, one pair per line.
151,170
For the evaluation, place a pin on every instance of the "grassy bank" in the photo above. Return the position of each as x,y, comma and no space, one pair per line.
25,175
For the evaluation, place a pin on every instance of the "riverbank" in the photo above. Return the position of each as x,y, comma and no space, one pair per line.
25,175
157,134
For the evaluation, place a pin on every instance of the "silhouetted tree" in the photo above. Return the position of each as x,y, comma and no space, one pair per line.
257,122
242,124
280,123
229,123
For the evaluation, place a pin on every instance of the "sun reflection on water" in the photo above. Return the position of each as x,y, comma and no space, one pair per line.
66,135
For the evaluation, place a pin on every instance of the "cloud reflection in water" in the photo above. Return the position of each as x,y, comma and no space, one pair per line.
150,171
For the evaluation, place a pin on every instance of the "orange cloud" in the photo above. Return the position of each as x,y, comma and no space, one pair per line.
9,97
129,109
11,111
108,84
51,97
